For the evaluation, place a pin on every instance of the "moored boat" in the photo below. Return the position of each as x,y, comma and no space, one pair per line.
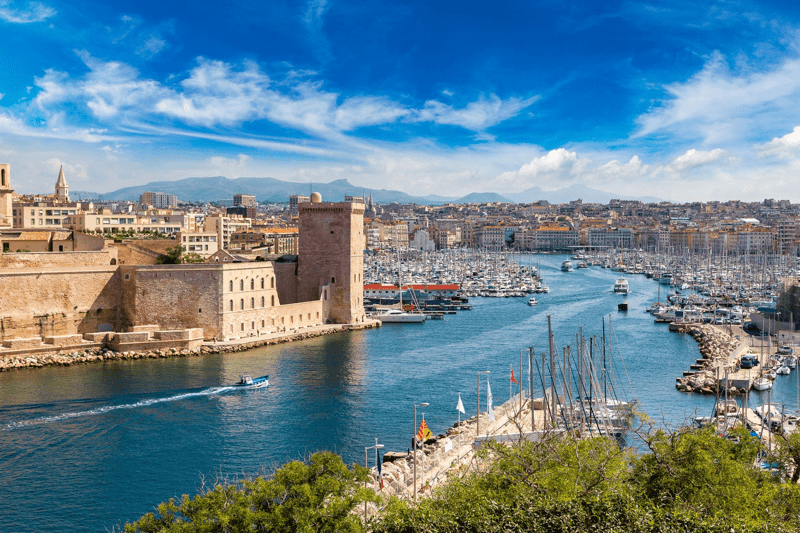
396,316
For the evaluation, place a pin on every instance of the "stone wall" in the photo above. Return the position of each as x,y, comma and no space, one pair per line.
62,301
142,252
174,296
284,318
58,259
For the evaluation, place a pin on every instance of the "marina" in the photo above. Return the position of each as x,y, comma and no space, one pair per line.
111,429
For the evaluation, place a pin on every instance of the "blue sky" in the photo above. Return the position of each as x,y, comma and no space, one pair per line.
680,100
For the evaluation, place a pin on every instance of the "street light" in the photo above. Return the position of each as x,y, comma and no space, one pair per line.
423,404
478,429
366,465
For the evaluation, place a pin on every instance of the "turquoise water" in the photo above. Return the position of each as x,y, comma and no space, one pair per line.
88,447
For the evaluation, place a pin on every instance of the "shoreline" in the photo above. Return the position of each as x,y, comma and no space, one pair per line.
97,355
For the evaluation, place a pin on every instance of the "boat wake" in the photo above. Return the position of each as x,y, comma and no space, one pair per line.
107,408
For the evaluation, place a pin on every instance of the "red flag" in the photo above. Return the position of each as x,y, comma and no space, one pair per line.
512,376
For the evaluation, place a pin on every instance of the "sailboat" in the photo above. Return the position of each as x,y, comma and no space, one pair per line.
398,316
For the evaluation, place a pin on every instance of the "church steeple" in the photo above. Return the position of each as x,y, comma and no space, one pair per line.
62,189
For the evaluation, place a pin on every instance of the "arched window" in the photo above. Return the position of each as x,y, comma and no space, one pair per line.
271,283
252,284
273,301
3,177
231,303
262,283
262,301
231,287
241,303
252,303
241,285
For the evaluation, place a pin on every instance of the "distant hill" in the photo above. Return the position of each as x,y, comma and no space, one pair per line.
216,188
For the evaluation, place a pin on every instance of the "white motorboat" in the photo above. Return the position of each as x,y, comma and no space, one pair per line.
621,286
566,265
532,301
396,316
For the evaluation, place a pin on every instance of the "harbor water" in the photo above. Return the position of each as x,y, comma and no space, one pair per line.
86,448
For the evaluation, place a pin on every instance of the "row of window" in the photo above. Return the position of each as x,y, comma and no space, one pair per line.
283,321
252,284
252,303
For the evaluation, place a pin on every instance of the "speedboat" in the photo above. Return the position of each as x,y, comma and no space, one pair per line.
532,301
566,265
247,381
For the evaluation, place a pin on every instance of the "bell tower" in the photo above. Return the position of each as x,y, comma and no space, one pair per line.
62,189
6,194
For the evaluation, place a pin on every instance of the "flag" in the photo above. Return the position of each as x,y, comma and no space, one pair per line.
460,406
380,464
513,380
424,433
489,400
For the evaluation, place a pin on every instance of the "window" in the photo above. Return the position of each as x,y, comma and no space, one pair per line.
231,305
231,286
253,324
262,301
252,284
241,285
241,303
263,323
262,283
252,303
273,301
333,280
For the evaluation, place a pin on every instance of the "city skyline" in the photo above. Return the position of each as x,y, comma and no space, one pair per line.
680,101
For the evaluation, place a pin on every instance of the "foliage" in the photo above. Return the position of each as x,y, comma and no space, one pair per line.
174,256
305,497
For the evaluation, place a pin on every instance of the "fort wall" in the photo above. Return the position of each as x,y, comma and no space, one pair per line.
58,259
62,301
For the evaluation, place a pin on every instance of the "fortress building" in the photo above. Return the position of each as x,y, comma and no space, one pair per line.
73,294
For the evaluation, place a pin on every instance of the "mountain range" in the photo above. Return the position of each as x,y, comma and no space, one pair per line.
273,190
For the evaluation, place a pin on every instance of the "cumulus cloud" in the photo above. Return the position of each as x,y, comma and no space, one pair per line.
719,104
786,146
227,162
29,12
554,161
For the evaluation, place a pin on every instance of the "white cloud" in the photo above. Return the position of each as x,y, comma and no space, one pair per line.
226,162
554,161
719,105
786,146
30,12
475,116
695,158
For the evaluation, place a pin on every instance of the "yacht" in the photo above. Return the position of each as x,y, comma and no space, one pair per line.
532,301
621,286
396,316
566,265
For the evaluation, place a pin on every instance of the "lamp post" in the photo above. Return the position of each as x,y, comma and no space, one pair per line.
478,429
423,404
366,465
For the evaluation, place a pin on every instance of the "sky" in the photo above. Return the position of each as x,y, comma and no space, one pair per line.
682,100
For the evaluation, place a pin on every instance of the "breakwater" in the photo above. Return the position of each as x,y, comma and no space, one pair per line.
718,351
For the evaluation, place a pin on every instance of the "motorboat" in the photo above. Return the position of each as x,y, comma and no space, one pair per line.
566,265
532,301
621,286
396,316
246,381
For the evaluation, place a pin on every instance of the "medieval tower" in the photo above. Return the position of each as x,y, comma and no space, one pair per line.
6,194
62,189
330,258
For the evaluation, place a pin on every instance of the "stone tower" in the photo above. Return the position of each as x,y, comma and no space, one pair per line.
62,189
6,194
330,258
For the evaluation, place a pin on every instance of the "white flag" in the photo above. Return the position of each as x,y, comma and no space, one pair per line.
460,406
489,401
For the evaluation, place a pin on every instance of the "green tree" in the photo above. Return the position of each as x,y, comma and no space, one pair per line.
174,256
318,495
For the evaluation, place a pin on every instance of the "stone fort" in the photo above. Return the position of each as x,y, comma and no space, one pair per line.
59,297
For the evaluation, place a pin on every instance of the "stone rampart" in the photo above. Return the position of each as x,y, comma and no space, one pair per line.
106,256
